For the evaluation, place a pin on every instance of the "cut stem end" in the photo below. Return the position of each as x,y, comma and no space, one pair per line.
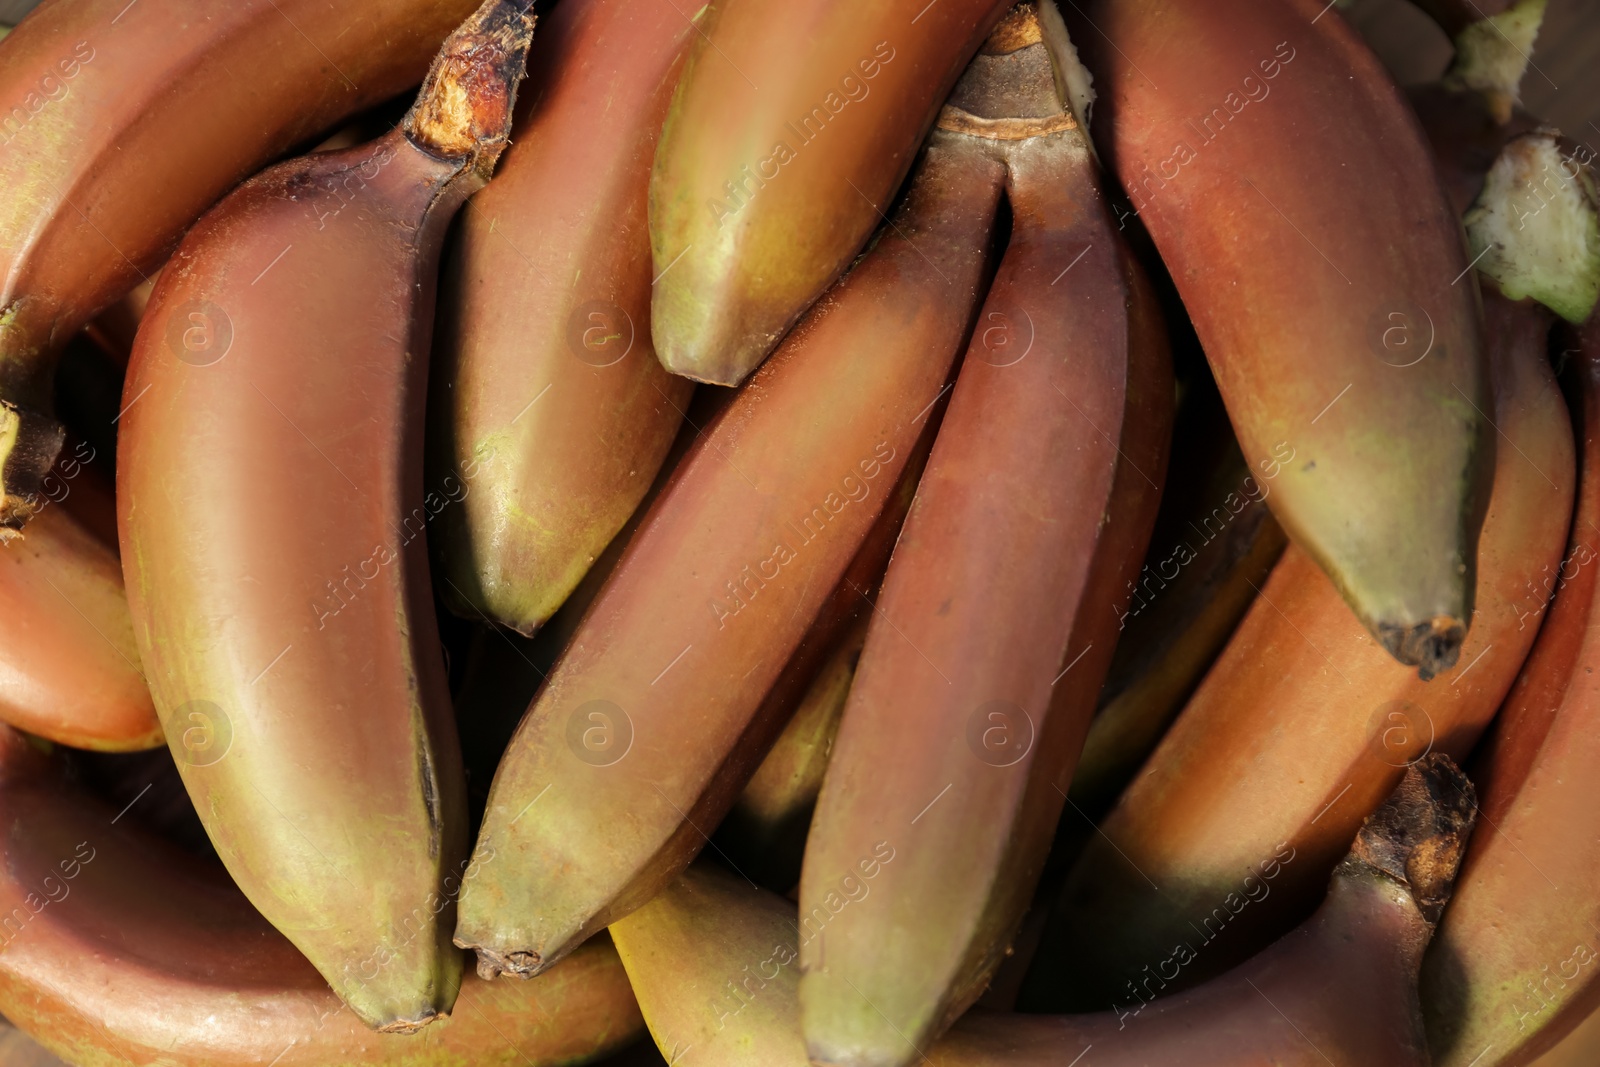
464,108
1419,835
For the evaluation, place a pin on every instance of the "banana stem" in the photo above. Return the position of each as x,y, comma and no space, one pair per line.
464,108
1535,228
1492,50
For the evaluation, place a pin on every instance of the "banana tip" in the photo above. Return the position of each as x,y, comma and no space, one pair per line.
493,963
704,344
704,373
1432,646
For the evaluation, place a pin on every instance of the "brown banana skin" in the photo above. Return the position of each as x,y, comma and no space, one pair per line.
1302,725
713,963
726,574
122,124
791,128
503,671
775,831
549,390
70,669
271,508
121,950
1000,609
1514,970
1311,316
764,832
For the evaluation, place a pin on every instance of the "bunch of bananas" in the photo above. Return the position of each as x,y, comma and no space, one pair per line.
838,533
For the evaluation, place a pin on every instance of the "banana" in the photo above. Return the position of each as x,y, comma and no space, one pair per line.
791,128
549,391
764,833
271,508
119,949
1303,724
713,963
647,728
1515,964
1336,334
123,122
503,670
768,840
1493,41
1214,544
69,666
1002,603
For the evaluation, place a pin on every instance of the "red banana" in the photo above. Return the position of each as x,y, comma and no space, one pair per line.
648,726
551,407
793,124
1349,339
714,965
271,507
1000,608
122,122
1302,726
1515,965
117,949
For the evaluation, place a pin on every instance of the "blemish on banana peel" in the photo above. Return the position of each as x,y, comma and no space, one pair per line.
491,964
1016,30
411,1026
430,789
956,120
